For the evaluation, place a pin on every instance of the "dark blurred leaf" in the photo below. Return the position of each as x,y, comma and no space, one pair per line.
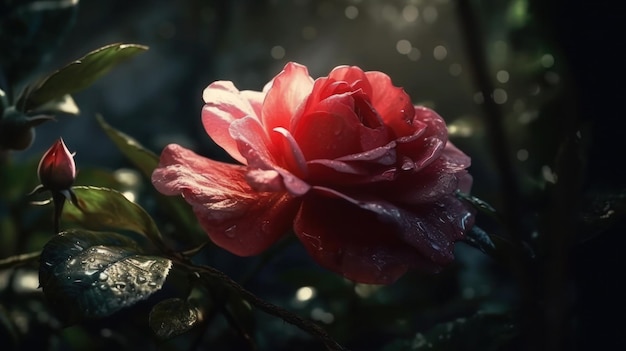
97,177
483,331
146,161
77,75
106,208
17,179
17,129
88,274
173,317
30,31
8,332
601,211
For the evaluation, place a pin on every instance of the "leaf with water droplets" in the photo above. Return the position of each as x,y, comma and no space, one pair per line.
173,317
87,274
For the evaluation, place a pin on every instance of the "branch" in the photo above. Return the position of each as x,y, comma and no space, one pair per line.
17,260
267,307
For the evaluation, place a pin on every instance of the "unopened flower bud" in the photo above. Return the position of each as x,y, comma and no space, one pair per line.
57,170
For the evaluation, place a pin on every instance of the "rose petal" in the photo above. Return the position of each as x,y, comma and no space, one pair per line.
431,229
392,103
329,132
384,155
424,186
236,217
428,141
248,134
352,242
291,153
255,98
354,76
455,159
254,146
289,89
225,104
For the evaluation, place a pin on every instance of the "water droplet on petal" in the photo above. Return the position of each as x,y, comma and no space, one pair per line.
230,231
103,287
120,285
141,279
265,226
103,276
152,284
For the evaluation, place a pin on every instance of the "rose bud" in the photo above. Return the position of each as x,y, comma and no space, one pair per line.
57,170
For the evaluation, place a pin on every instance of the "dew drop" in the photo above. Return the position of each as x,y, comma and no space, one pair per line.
152,284
103,287
103,276
265,226
141,279
120,285
230,231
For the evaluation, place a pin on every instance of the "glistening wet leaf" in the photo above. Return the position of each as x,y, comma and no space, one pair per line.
173,317
89,274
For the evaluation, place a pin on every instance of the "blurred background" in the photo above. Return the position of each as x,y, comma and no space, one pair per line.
556,70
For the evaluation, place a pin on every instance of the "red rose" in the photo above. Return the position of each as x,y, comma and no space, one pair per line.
365,179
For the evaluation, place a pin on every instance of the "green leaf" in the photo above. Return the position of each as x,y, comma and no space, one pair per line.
479,204
101,208
77,75
482,331
479,239
87,274
173,317
64,104
147,161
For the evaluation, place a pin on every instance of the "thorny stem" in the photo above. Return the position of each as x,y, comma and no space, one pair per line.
267,307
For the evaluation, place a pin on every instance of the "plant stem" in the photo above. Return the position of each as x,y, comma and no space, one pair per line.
267,307
494,118
17,260
519,259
